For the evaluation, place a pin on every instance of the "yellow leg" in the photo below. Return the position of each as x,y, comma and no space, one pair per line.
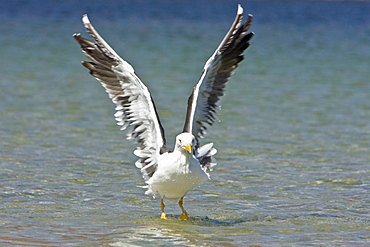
184,215
163,215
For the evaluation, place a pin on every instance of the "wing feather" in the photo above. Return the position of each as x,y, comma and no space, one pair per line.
203,102
134,105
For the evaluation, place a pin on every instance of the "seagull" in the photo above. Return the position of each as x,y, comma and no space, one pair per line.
171,174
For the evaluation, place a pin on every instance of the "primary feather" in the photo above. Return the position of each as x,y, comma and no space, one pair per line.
203,102
134,105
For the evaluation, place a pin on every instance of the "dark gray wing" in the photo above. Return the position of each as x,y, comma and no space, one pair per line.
134,105
203,102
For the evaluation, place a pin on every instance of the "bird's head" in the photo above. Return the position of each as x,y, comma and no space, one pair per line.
185,141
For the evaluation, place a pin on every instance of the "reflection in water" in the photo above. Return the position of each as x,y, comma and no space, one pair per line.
176,232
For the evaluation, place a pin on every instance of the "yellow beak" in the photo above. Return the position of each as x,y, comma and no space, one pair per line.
188,147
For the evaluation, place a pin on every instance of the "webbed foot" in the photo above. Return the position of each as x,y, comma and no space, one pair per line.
184,216
164,216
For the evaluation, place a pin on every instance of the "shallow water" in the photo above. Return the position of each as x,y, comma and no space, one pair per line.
293,137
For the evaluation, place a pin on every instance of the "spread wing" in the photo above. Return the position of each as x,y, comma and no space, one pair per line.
203,102
134,105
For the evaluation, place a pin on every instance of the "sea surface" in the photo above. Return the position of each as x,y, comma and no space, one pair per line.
293,135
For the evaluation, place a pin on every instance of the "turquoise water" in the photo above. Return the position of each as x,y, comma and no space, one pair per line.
293,136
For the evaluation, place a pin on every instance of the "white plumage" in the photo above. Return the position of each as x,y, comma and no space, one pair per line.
171,174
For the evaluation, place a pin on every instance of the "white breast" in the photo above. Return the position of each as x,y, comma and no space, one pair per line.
176,174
